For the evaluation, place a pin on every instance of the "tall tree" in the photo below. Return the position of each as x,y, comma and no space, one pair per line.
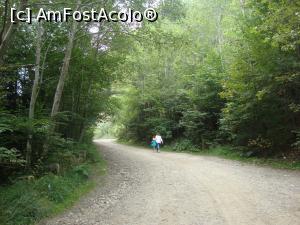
7,26
34,92
65,66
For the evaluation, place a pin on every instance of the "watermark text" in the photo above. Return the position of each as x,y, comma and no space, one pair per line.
87,16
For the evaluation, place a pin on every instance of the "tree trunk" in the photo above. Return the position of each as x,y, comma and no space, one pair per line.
34,92
220,34
83,125
64,69
8,29
62,78
242,3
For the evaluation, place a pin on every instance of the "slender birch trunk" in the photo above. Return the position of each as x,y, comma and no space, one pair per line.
62,78
64,69
242,3
34,92
220,34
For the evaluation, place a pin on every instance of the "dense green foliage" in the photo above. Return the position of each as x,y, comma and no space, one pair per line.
207,73
54,87
49,194
55,84
223,72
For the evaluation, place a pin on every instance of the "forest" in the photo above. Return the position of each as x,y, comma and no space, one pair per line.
216,73
205,74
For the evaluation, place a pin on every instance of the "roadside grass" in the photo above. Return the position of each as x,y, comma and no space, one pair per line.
230,153
227,152
28,202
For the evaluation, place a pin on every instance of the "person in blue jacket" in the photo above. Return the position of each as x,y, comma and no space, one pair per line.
153,143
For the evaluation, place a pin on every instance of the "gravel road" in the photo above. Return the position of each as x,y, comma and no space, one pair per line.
146,188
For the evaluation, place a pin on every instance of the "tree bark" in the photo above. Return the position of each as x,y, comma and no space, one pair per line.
83,125
64,69
5,15
62,78
242,3
8,29
34,92
220,34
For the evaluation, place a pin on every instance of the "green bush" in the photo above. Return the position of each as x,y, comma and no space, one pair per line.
20,204
185,145
82,170
27,202
11,157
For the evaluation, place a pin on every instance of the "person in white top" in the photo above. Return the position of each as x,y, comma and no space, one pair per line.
159,141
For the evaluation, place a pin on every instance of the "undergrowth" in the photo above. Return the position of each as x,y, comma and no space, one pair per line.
227,152
231,153
27,202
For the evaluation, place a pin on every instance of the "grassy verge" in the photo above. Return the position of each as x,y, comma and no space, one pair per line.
229,153
27,202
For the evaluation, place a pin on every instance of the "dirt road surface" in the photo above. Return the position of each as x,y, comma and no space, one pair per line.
146,188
